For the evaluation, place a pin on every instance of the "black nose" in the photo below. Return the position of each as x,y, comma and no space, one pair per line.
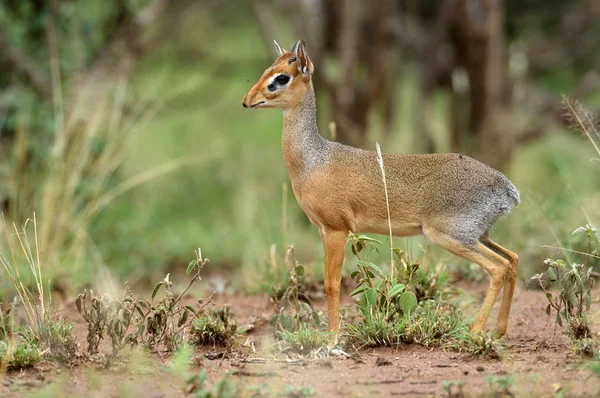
244,105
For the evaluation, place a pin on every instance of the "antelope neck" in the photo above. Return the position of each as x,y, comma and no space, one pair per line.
303,147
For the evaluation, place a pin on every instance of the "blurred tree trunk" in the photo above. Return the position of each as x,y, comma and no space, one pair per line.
356,34
453,43
33,49
477,36
361,44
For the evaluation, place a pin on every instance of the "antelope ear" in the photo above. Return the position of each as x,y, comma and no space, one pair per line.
279,49
305,67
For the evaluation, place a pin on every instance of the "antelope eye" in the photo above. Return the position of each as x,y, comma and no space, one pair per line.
282,79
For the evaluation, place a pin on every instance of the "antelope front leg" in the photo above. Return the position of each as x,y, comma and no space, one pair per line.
334,243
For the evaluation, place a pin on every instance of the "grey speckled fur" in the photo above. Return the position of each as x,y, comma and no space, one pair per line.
301,136
452,194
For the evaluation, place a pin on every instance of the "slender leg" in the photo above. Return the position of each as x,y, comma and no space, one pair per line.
496,265
509,285
334,243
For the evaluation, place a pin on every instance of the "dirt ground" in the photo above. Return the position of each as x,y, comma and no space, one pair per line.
540,362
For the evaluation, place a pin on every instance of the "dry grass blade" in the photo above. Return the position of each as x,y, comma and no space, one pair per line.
583,120
76,181
36,309
387,203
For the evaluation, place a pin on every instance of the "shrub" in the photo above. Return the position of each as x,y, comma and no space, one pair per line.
587,347
6,320
224,388
438,323
293,309
575,282
216,328
53,337
129,320
390,312
303,341
21,354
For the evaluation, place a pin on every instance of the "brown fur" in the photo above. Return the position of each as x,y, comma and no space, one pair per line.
450,198
286,100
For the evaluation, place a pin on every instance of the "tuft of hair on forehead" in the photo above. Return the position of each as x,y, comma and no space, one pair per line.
284,61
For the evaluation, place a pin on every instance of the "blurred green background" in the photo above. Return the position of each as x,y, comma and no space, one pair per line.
121,125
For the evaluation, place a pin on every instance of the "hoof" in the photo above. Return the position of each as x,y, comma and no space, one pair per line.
498,333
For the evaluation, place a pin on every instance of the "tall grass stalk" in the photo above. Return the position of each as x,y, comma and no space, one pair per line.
583,120
77,178
11,256
387,203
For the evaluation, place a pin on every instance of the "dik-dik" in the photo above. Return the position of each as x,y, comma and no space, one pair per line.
450,198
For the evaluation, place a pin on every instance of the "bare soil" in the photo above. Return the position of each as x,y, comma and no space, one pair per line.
541,363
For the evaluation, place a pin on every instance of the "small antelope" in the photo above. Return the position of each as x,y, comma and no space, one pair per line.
450,198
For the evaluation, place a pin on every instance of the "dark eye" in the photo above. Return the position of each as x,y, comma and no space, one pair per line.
282,79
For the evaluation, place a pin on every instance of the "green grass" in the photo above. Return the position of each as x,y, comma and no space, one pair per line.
375,331
435,323
19,355
442,324
303,341
54,338
215,328
41,334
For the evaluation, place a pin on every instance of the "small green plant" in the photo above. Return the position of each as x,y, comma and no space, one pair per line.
155,324
575,282
297,392
270,391
195,382
431,283
594,364
587,347
501,385
54,338
375,331
297,325
441,324
196,386
386,302
390,313
216,328
36,302
18,355
303,341
453,389
7,325
293,308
